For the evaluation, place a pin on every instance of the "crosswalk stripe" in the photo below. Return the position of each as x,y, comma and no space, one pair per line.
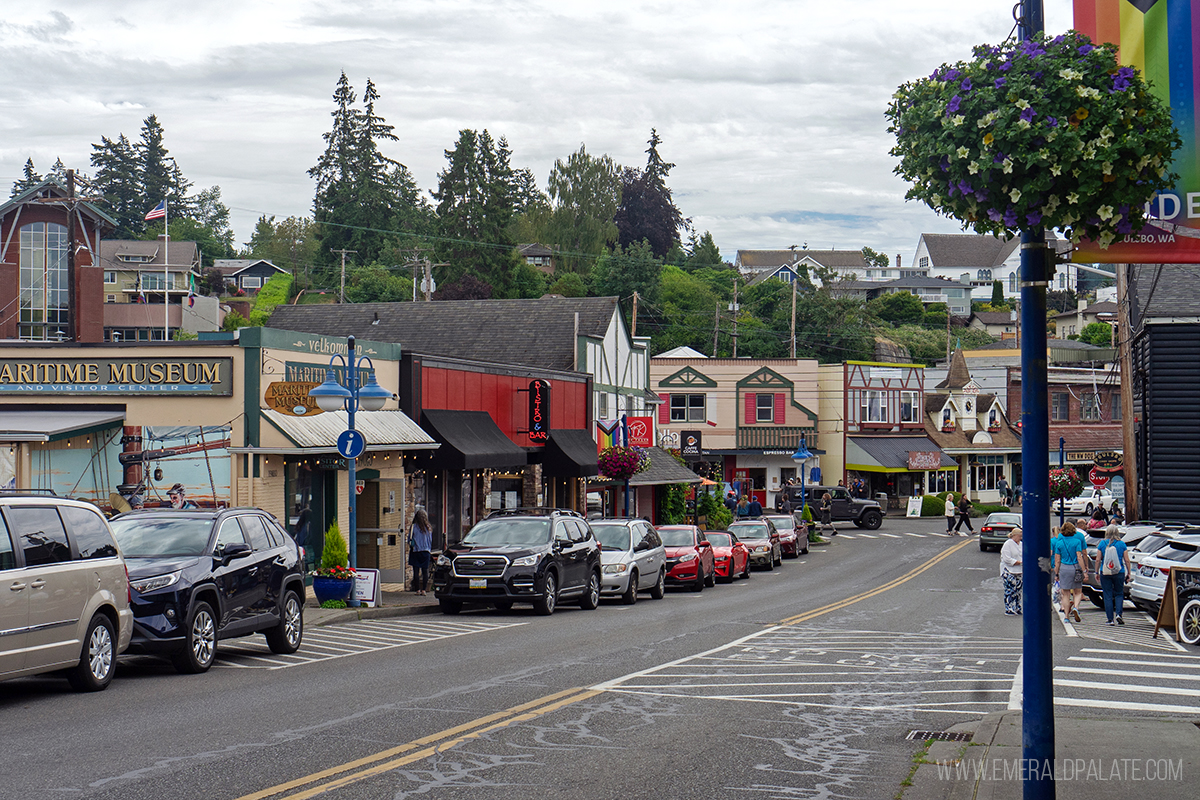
1123,705
918,535
890,535
1126,672
1130,687
867,536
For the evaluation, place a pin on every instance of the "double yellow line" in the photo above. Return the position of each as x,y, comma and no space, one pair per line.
905,578
418,749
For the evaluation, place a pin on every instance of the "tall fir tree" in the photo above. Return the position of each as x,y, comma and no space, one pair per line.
647,210
29,178
115,162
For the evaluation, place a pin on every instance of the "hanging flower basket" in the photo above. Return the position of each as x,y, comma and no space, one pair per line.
1065,484
1050,133
622,463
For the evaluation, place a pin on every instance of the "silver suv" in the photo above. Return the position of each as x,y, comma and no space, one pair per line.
67,601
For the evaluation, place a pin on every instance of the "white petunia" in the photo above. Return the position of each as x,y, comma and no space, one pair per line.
1007,164
1104,212
962,152
1015,195
973,167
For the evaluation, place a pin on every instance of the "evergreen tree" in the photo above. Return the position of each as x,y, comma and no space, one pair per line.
627,270
586,192
704,252
997,294
117,179
29,178
159,177
874,258
647,211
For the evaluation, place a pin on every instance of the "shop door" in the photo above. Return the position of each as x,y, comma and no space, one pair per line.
367,523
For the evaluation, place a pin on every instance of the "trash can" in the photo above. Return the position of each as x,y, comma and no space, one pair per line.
882,499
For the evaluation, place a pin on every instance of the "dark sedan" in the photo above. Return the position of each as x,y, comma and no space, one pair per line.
762,539
995,529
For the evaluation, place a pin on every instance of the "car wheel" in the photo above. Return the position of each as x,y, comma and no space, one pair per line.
660,589
97,658
770,564
450,606
711,580
591,598
286,636
545,604
729,575
503,605
630,596
779,559
805,550
872,520
1189,622
1088,510
698,584
200,645
746,569
857,524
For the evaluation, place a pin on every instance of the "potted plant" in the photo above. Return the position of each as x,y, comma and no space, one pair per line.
1064,484
334,579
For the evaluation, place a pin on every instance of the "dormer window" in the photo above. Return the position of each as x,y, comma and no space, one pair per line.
994,419
947,419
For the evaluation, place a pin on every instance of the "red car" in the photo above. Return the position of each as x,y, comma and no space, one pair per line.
730,556
689,556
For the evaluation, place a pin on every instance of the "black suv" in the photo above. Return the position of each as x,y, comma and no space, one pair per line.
521,555
199,576
846,508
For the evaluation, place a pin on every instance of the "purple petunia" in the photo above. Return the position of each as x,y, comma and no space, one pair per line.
1052,122
1124,226
1000,82
953,105
944,164
1084,49
981,195
951,75
993,215
1006,66
999,159
965,85
965,188
1121,80
1033,218
1010,217
1028,114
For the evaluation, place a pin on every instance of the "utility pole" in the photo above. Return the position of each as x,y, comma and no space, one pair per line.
72,324
716,328
633,330
794,281
342,291
948,330
1128,443
734,309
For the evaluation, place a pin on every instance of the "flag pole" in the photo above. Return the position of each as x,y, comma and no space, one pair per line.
166,275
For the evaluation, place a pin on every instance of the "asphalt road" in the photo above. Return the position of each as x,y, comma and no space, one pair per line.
801,682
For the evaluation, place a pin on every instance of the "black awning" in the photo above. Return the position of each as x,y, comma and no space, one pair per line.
570,454
470,440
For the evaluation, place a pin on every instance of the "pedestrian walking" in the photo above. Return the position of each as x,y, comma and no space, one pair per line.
786,506
420,547
1070,569
827,514
950,512
964,514
1010,572
1054,577
743,508
1115,570
754,509
1002,487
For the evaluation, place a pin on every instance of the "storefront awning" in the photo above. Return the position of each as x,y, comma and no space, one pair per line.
382,430
471,440
570,454
890,453
52,425
663,470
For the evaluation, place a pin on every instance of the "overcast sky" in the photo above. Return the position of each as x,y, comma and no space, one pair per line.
771,110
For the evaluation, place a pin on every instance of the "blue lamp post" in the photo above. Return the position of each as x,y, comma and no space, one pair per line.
802,455
333,396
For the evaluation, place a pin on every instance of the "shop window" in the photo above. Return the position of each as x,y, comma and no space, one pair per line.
986,471
1089,407
688,408
1059,407
874,407
910,406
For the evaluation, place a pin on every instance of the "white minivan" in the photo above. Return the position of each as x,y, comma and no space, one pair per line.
64,591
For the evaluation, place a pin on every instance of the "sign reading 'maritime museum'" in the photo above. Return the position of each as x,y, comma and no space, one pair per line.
108,376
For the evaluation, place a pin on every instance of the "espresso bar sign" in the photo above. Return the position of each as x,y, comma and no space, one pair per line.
539,411
106,376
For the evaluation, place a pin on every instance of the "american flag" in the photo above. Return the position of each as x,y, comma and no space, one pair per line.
158,212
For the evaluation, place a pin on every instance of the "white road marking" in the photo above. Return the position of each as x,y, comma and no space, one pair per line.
1016,695
1122,705
890,535
1127,672
1130,687
918,535
864,536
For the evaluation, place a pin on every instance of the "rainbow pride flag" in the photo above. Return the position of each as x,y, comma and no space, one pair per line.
608,434
1156,37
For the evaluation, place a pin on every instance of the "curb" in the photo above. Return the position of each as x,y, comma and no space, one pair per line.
344,615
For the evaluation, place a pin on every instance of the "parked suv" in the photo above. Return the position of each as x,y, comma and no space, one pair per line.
67,603
521,555
633,557
197,577
863,513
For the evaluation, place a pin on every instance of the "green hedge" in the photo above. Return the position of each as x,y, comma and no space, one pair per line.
934,505
275,291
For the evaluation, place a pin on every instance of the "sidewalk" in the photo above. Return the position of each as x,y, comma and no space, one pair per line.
1096,758
393,602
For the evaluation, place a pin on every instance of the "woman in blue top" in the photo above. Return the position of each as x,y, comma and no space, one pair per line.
1114,568
420,545
1070,569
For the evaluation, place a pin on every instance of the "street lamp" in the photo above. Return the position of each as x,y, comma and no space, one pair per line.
332,396
802,455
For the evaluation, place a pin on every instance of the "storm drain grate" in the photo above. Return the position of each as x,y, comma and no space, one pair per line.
939,736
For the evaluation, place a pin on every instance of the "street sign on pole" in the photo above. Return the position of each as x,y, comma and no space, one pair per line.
350,444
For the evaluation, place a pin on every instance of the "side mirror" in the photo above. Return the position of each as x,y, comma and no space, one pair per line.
229,552
641,547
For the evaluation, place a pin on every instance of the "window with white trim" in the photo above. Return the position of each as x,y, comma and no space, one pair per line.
874,407
1089,407
910,406
251,282
987,470
110,277
601,405
764,407
688,408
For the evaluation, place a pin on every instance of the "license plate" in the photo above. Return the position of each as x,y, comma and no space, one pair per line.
1149,572
478,583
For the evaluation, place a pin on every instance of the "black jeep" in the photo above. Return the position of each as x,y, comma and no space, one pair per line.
521,555
846,508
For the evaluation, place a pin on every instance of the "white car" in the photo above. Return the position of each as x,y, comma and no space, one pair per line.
1090,500
1150,576
632,557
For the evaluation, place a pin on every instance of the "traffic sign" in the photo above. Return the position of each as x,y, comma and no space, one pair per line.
350,444
1098,479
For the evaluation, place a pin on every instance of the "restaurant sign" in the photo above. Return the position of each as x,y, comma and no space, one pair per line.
691,444
291,398
110,376
641,431
539,411
920,459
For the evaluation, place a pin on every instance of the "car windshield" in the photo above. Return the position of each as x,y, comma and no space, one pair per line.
749,530
1003,519
161,537
1153,543
784,523
676,537
612,536
719,539
1179,552
509,530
